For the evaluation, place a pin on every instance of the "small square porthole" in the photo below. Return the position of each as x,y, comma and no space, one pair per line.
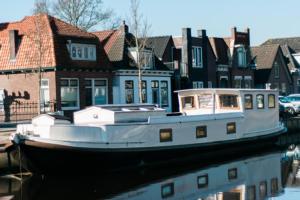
263,190
231,128
201,131
167,190
165,135
274,186
232,173
202,181
251,193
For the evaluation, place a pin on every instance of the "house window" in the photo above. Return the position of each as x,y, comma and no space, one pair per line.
251,192
276,70
232,174
283,88
274,186
164,93
95,92
248,81
229,101
197,84
260,102
45,95
155,92
82,51
209,84
188,102
231,128
145,58
167,190
271,101
263,189
69,91
201,131
129,91
241,53
237,82
165,135
202,181
144,91
197,57
2,96
248,101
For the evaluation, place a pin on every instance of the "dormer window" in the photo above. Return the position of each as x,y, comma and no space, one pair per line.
145,57
82,51
241,54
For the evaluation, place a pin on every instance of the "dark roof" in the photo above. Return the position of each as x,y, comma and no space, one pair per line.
220,49
158,44
292,42
287,52
264,55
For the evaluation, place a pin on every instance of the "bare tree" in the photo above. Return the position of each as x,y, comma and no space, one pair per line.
83,14
140,28
41,6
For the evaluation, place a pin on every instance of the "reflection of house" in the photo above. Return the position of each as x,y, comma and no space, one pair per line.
156,85
271,69
233,58
291,50
75,71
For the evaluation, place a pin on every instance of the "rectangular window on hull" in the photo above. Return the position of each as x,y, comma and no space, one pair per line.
167,190
248,101
165,135
232,174
201,131
69,92
202,181
129,92
231,128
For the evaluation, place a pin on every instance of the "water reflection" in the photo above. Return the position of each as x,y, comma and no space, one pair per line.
256,177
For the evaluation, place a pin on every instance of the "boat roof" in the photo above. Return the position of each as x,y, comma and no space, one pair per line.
225,90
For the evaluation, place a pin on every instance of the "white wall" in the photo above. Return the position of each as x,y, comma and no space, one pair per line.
119,88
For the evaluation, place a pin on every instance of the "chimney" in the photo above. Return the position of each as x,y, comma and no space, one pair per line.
233,32
247,30
124,27
201,33
186,48
13,37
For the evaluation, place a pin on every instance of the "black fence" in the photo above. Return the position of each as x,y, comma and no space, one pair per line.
23,111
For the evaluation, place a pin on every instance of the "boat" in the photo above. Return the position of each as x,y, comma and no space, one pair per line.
120,136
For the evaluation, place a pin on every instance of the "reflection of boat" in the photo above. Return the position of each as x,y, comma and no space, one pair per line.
127,135
251,178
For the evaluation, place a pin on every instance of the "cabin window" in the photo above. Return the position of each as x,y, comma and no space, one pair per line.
229,101
248,101
231,128
202,181
144,91
188,102
165,135
201,131
164,93
232,174
271,101
167,190
260,102
263,190
251,192
69,91
205,101
129,91
274,186
155,92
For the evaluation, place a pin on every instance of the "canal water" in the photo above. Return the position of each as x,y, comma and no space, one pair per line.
269,174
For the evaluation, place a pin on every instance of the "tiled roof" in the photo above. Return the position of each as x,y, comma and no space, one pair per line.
220,49
293,42
159,44
55,34
265,55
287,51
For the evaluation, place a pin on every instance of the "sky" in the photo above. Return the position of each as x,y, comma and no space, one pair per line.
265,18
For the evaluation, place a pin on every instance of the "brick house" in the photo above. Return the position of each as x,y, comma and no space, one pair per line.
271,69
235,66
75,71
156,77
291,50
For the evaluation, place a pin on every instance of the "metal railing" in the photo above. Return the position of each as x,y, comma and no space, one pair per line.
23,111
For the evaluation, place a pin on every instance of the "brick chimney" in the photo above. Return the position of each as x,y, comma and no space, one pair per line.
233,33
124,27
13,44
201,33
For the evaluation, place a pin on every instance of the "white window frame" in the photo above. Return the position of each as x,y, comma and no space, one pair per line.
197,84
133,91
78,97
238,78
91,48
160,91
46,108
149,53
93,88
2,97
242,61
195,50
